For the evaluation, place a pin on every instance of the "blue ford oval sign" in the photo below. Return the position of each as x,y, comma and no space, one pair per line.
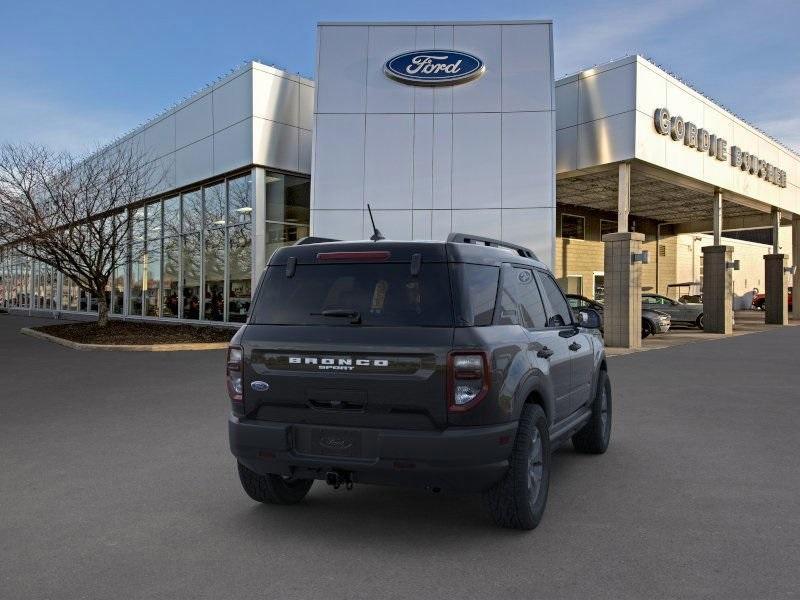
434,67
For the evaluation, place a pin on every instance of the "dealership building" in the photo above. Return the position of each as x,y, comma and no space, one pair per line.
620,177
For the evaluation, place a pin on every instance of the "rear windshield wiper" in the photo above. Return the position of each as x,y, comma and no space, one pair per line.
345,313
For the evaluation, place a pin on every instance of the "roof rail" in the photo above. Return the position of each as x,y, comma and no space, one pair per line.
313,240
466,238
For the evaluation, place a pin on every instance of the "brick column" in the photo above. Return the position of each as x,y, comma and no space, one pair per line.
717,290
622,313
776,290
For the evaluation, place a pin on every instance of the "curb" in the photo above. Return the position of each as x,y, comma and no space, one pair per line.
123,347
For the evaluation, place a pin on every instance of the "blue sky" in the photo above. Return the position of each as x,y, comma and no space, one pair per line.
75,74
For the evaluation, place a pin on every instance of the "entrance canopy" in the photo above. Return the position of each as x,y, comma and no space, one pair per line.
683,151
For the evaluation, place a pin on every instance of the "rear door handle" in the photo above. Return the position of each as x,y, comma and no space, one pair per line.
545,352
574,346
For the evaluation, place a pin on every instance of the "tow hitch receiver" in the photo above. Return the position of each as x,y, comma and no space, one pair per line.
339,478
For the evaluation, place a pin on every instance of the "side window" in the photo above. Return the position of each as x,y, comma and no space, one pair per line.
649,300
561,313
520,300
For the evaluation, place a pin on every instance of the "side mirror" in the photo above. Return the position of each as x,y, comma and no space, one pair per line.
589,318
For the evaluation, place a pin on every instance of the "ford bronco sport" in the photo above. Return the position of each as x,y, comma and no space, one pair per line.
452,365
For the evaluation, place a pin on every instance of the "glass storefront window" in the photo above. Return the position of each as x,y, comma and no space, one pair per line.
190,259
135,281
214,292
65,294
137,225
288,198
240,208
74,301
192,211
172,216
153,220
215,206
239,272
118,286
151,263
282,234
169,278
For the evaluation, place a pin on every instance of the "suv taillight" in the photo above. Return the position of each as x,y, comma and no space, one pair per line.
233,376
467,379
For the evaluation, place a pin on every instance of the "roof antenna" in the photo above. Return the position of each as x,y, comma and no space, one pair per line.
377,236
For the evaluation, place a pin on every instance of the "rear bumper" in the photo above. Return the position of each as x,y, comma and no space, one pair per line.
458,458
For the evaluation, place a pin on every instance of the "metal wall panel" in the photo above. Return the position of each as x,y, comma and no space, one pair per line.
305,141
476,160
276,145
276,98
483,94
233,146
567,105
607,93
526,74
423,163
534,228
421,224
485,221
342,69
159,138
385,95
606,140
527,165
194,121
389,172
566,149
233,101
338,162
194,162
442,161
340,224
394,224
306,101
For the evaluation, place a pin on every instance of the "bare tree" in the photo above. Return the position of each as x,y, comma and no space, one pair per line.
70,213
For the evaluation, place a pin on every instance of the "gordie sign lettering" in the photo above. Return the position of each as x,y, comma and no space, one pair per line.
704,141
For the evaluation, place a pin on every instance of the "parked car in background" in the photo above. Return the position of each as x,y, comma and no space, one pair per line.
759,300
683,313
653,321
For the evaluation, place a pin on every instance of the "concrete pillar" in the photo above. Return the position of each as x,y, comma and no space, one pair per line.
717,218
622,314
717,289
623,197
796,263
258,198
776,289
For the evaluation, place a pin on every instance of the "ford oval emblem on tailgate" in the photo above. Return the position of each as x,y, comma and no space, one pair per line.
335,443
259,386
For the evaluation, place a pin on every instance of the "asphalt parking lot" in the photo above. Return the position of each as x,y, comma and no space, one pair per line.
116,482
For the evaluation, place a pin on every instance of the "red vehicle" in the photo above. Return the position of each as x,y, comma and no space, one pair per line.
760,299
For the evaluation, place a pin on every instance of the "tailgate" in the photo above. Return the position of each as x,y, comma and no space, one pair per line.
387,377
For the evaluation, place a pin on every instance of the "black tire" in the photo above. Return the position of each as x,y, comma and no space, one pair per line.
273,489
648,328
596,434
699,321
518,500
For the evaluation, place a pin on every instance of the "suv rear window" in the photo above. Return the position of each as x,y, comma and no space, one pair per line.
384,295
